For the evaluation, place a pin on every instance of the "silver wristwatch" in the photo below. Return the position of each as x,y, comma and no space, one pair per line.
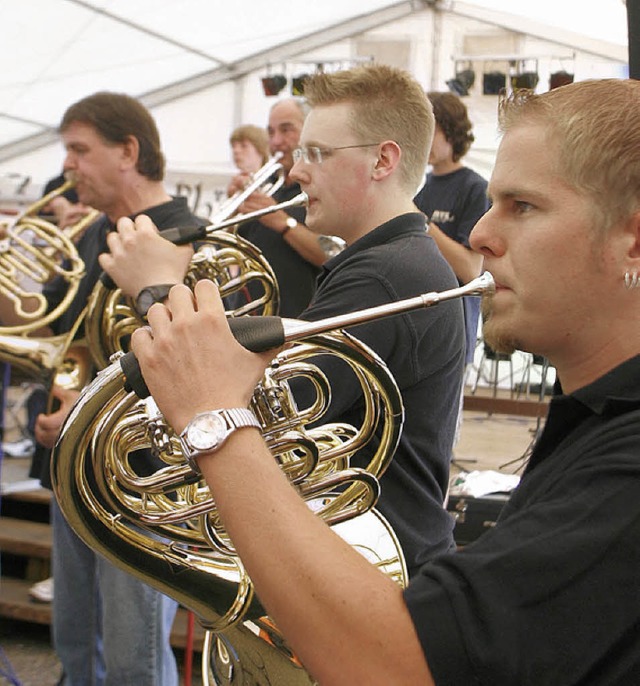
207,431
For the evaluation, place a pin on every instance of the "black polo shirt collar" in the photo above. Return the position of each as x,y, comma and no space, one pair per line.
615,393
398,227
619,388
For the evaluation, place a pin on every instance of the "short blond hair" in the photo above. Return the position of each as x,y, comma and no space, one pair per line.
596,126
388,104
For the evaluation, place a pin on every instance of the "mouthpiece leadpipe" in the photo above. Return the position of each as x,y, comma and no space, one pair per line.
259,334
182,236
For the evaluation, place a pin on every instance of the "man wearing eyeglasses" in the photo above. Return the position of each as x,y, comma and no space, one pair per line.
363,153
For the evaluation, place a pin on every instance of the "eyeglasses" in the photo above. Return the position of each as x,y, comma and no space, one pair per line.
315,155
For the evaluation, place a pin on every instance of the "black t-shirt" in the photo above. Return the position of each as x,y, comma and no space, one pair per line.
296,277
550,595
173,213
424,351
455,202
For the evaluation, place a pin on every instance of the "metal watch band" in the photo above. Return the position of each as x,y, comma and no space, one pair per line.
235,418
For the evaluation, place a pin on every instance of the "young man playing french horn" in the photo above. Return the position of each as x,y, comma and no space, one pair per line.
549,596
360,171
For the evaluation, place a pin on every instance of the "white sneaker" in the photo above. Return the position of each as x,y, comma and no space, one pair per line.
21,448
42,591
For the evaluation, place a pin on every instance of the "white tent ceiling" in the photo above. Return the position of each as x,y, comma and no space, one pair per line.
56,51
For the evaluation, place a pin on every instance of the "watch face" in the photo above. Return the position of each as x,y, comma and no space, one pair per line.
206,431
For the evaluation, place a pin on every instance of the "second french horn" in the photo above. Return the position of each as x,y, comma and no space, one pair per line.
235,264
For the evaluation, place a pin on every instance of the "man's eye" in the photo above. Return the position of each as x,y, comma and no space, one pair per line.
523,206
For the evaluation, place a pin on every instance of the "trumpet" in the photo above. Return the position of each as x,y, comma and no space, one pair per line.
259,182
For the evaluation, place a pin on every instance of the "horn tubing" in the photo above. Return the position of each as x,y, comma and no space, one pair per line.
182,236
298,201
258,180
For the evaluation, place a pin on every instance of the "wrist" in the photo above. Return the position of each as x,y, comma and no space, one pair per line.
150,295
290,223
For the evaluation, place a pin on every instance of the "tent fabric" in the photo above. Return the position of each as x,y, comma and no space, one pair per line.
57,51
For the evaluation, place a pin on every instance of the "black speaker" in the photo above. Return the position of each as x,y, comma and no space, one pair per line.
463,81
528,79
297,84
559,78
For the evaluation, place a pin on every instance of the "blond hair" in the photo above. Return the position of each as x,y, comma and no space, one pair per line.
255,135
388,104
596,126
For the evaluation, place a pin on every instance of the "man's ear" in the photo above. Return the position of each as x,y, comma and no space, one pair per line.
634,229
130,151
389,154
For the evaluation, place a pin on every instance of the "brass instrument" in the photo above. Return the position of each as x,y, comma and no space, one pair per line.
165,529
45,358
226,258
299,200
259,182
37,251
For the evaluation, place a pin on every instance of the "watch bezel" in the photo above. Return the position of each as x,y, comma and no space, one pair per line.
198,427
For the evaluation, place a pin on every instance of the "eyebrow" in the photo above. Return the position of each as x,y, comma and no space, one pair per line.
515,192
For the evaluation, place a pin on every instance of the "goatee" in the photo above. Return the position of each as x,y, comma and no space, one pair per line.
499,341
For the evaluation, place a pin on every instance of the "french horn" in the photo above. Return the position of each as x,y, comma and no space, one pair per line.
34,252
226,258
164,528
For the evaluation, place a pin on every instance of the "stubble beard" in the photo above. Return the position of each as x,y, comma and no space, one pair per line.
498,340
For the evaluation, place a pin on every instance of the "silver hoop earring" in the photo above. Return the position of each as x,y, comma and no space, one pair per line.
631,280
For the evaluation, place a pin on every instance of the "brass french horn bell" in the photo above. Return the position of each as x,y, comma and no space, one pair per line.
34,252
229,260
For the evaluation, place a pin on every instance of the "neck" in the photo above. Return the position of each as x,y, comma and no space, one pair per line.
576,371
378,215
446,167
137,197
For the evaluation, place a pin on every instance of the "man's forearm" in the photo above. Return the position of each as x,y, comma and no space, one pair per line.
323,595
466,263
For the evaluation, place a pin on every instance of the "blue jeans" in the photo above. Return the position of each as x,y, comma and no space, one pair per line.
109,629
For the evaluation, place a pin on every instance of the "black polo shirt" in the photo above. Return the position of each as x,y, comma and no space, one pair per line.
173,213
550,595
424,351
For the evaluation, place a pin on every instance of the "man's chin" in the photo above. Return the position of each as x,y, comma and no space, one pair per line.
495,336
498,341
